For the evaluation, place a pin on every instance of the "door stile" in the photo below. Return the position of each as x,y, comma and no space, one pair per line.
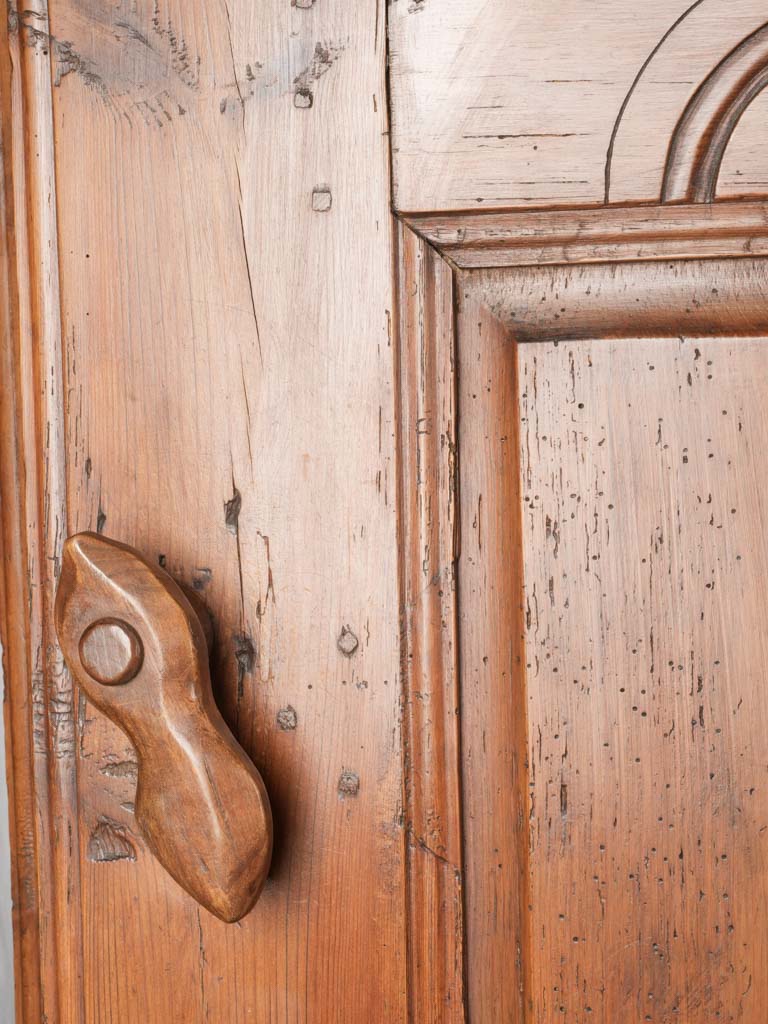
41,710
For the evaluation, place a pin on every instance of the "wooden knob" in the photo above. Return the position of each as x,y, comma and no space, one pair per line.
201,804
111,652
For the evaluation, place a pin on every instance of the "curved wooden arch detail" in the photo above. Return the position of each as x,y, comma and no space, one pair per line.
697,82
705,129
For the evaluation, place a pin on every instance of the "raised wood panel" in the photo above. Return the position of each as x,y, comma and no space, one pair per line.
548,104
643,499
226,305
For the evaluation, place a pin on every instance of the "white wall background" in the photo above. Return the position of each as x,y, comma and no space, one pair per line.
6,934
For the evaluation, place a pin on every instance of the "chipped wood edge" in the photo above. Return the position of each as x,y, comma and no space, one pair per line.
429,535
602,234
40,718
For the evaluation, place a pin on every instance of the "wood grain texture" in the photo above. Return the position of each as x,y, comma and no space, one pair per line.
549,104
704,131
494,710
643,509
40,692
700,41
614,234
707,298
428,500
744,170
226,311
138,650
15,611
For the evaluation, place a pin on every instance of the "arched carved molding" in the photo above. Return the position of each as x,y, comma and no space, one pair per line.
709,43
705,129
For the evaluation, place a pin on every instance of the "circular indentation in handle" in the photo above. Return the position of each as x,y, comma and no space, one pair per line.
111,652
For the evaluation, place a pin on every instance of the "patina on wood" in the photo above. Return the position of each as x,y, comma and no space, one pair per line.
138,649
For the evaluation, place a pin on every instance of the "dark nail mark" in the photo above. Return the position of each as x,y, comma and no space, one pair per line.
287,718
161,561
349,783
201,578
347,642
109,841
245,656
232,511
101,519
88,468
322,200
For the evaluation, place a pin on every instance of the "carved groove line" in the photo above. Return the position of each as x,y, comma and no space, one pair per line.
635,82
710,119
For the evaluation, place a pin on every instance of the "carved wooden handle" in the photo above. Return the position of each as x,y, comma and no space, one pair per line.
138,648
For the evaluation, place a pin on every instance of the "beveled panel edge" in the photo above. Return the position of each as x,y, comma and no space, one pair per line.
685,298
428,543
600,234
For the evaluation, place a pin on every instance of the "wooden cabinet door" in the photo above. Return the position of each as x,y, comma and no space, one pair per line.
425,344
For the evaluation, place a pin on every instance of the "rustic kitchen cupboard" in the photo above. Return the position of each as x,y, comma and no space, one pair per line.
422,347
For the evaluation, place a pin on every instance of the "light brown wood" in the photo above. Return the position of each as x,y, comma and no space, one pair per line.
643,508
494,709
743,170
428,500
535,946
221,330
138,650
709,120
550,103
474,495
708,298
614,234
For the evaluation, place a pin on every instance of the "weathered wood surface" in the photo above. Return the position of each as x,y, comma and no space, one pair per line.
644,502
225,271
493,678
614,234
446,667
553,103
429,501
139,649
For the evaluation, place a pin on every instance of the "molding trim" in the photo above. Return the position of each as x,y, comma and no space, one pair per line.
429,533
710,119
602,234
40,712
688,298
